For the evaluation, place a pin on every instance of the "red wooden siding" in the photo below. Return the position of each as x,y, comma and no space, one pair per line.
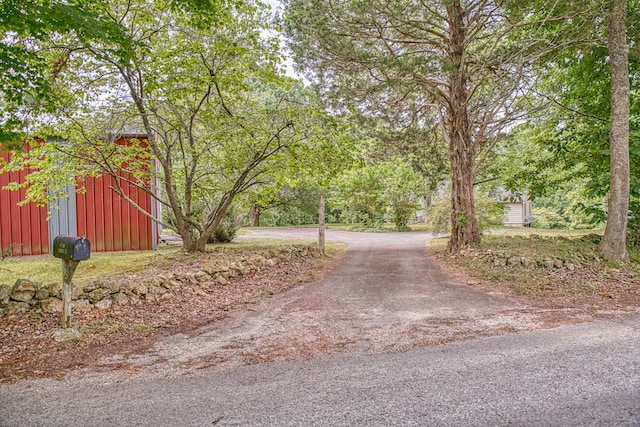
112,223
23,229
109,222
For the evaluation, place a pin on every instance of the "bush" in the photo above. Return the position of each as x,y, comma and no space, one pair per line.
293,206
489,213
439,216
403,208
377,192
226,230
547,218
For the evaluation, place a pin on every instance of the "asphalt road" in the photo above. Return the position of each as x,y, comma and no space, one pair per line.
587,374
581,375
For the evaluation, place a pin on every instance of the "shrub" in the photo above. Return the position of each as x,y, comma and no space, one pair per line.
547,218
439,216
374,193
489,213
226,230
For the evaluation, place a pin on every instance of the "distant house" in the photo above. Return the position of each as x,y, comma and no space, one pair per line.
517,207
97,212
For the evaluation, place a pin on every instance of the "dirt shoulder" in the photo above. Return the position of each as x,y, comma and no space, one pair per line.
564,277
33,346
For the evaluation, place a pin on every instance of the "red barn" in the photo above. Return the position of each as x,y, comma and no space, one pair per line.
98,212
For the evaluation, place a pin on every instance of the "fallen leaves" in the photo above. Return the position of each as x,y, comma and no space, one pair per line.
28,348
581,279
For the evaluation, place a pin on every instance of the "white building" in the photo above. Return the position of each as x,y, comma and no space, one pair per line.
517,207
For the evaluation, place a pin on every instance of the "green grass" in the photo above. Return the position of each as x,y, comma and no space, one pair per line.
47,269
331,248
343,227
253,244
553,243
387,227
519,231
270,227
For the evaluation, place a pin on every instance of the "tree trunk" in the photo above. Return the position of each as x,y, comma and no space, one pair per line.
321,245
464,227
255,216
188,235
614,242
213,221
201,242
189,242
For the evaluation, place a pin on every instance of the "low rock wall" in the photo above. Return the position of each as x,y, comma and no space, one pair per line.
101,293
503,259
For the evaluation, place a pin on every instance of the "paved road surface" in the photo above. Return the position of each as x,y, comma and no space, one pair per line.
581,375
354,349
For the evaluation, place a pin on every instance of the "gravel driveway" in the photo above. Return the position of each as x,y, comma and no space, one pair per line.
385,295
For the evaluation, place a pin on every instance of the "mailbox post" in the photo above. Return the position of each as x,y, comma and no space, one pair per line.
71,250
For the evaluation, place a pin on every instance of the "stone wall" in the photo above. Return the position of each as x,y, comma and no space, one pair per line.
101,293
500,258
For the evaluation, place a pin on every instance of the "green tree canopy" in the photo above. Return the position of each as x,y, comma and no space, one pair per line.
31,56
220,117
447,69
373,192
566,138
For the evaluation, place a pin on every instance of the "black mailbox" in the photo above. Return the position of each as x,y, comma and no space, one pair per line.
71,248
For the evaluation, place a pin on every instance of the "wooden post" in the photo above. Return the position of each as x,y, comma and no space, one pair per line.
321,226
68,269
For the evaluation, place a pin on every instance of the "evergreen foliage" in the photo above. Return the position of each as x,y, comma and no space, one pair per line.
490,213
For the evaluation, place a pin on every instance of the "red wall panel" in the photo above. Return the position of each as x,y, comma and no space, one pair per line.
110,223
23,229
